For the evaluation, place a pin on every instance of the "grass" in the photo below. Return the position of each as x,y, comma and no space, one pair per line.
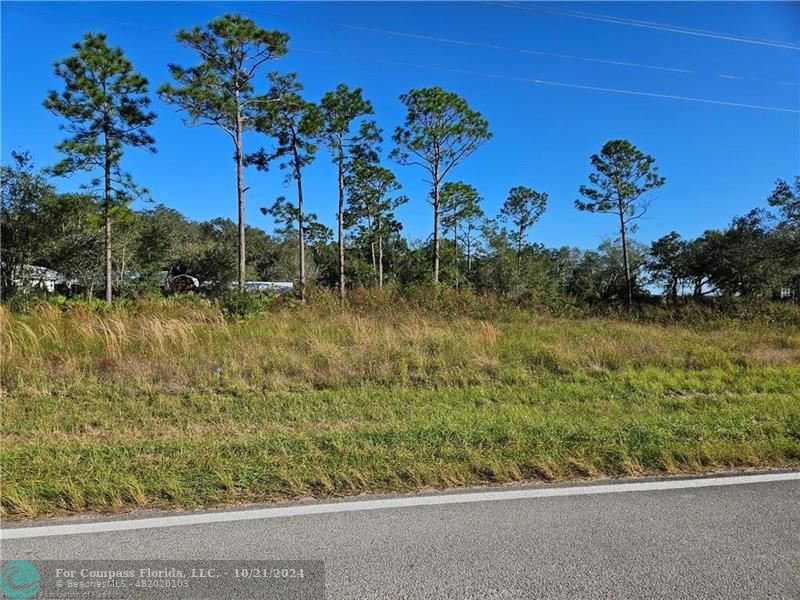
166,403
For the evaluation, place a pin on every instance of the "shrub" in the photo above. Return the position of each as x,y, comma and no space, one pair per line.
239,305
25,302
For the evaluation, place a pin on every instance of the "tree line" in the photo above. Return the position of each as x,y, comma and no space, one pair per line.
95,238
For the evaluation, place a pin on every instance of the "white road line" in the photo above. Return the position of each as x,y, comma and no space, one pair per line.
401,502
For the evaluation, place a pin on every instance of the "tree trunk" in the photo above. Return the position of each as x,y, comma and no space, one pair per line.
436,210
300,223
380,257
371,230
240,200
341,226
519,249
455,249
8,283
626,265
469,249
673,291
107,216
122,262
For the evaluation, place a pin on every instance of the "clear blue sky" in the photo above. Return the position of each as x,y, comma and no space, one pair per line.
719,161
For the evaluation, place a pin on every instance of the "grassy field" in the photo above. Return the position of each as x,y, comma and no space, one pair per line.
166,403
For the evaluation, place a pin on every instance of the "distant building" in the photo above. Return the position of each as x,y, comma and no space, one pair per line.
279,287
34,277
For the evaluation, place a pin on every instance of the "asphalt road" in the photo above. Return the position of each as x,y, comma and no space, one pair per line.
720,541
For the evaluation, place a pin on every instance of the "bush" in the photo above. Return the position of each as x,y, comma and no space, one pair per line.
94,304
709,310
239,305
24,302
436,300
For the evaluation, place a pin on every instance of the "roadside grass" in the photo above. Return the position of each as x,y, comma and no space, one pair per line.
166,403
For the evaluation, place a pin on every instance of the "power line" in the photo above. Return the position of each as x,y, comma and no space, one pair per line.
649,25
484,74
554,83
449,41
73,17
473,44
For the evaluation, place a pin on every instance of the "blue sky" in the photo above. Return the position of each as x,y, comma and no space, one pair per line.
719,161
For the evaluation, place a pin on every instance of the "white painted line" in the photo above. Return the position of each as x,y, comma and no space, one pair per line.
401,502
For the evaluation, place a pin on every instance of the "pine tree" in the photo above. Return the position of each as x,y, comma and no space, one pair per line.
294,123
623,174
371,204
523,207
219,90
106,106
440,131
339,109
460,202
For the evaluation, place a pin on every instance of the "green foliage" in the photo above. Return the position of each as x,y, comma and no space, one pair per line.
714,311
667,264
293,122
219,89
287,216
371,202
339,110
239,305
460,201
372,199
786,198
412,384
25,194
106,107
44,229
75,240
623,174
440,131
739,260
28,302
39,300
785,236
64,232
523,207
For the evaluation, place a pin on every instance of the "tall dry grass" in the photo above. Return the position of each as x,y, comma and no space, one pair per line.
166,402
171,346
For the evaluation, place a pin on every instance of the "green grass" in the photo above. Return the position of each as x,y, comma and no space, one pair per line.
169,404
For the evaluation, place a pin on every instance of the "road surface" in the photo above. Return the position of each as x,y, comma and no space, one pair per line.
736,537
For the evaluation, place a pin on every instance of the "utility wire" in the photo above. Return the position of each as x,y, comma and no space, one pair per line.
467,43
552,83
648,25
473,44
471,73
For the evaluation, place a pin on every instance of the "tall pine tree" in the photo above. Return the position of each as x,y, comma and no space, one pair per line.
219,89
295,124
339,109
106,106
623,175
440,131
